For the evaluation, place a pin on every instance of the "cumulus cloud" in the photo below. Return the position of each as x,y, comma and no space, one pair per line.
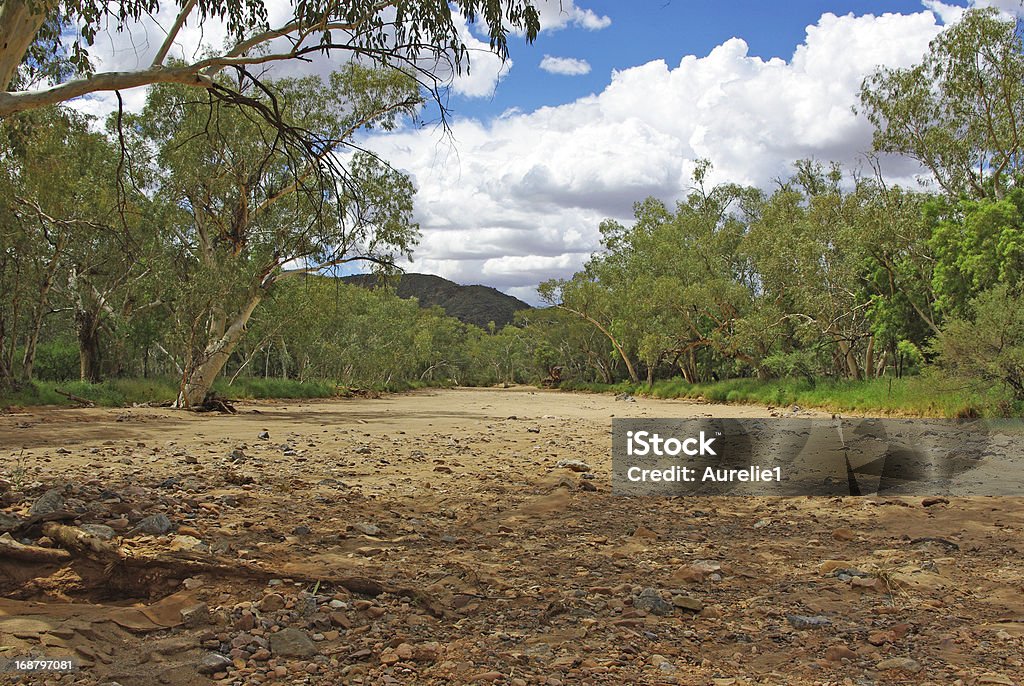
566,66
558,14
518,199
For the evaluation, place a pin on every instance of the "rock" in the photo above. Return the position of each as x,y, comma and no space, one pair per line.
155,525
405,651
871,583
650,600
301,530
367,529
938,500
100,531
574,465
804,622
902,664
291,643
195,615
533,429
185,543
261,655
213,663
643,532
880,638
688,603
264,435
844,535
8,523
389,657
51,501
272,602
839,653
237,455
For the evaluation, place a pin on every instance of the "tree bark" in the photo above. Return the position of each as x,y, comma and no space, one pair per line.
20,21
89,358
199,377
869,359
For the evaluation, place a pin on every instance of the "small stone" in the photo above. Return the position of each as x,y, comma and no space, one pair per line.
246,622
650,600
195,615
404,651
389,657
261,655
938,500
902,664
291,642
533,429
574,465
838,653
185,543
271,602
301,530
688,603
264,435
367,528
154,525
51,501
100,531
813,622
880,638
844,535
213,663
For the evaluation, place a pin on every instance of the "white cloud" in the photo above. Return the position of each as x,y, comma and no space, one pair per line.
557,14
518,199
566,66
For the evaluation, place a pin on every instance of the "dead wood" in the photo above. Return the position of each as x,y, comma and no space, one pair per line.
11,549
77,398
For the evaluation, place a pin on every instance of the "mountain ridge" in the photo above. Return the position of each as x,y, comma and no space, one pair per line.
471,304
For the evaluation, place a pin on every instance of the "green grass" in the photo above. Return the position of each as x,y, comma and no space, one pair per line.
918,396
125,392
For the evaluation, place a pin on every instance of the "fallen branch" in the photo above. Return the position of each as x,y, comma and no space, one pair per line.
11,549
78,399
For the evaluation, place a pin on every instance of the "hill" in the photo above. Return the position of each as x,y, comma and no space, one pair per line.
470,304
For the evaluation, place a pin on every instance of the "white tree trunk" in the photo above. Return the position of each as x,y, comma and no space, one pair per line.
199,377
19,23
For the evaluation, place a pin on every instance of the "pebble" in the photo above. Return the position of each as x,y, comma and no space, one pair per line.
155,525
903,664
51,501
101,531
212,663
290,642
574,465
813,622
272,602
650,600
688,603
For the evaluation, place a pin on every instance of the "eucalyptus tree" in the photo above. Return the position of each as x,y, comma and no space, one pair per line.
51,39
67,232
960,111
250,204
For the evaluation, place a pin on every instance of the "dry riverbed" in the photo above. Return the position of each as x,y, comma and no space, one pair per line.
432,538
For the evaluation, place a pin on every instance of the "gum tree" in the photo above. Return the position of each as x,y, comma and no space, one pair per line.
49,40
249,204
